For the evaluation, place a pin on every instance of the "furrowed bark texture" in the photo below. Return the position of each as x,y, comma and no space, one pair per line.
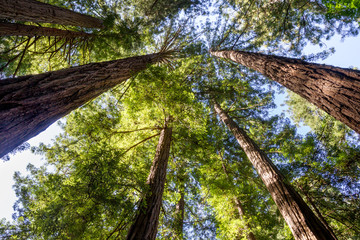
301,220
34,11
14,29
335,90
29,104
146,222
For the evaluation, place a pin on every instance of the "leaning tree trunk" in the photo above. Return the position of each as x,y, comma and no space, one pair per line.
29,104
147,219
14,29
335,90
34,11
301,220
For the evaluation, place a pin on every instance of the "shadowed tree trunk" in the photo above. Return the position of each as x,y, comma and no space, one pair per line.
146,222
301,220
14,29
34,11
318,213
240,209
335,90
29,104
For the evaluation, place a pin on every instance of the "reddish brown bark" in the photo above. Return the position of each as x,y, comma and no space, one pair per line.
335,90
14,29
29,104
34,11
147,219
301,220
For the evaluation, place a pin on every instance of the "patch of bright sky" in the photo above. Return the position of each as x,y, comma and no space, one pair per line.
346,55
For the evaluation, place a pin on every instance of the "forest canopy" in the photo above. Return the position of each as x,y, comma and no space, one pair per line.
168,123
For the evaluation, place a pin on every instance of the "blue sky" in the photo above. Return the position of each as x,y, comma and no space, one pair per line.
347,55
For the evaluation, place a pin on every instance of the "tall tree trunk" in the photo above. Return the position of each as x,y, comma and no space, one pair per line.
146,222
34,11
249,235
14,29
335,90
29,104
301,220
317,211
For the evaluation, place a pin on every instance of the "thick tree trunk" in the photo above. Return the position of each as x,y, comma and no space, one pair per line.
146,222
29,104
301,220
14,29
34,11
335,90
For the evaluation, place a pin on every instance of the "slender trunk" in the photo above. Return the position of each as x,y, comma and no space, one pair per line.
301,220
14,29
240,209
335,90
179,214
146,222
29,104
34,11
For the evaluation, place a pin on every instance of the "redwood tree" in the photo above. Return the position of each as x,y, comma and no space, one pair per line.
34,11
29,104
301,220
335,90
147,219
14,29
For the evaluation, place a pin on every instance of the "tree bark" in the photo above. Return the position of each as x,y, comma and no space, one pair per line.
301,220
318,213
29,104
335,90
14,29
34,11
146,222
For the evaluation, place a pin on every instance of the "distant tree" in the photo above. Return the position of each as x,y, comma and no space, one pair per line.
302,221
35,11
239,207
147,219
335,90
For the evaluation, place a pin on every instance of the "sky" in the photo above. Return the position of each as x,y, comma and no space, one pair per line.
347,55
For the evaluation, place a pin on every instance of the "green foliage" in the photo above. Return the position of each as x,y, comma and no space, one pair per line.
95,172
